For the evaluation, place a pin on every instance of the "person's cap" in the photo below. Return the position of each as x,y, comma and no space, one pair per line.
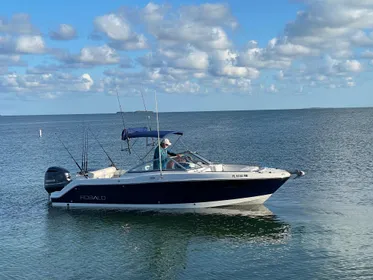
166,142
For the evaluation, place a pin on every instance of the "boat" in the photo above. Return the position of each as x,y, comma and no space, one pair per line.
189,181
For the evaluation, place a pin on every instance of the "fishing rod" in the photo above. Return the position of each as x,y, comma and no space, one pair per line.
77,164
146,110
85,151
121,113
158,138
147,118
83,141
112,162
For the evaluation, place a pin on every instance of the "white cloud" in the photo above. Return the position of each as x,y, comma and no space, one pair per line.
292,50
173,80
201,26
86,82
194,60
238,72
113,26
263,58
232,85
332,25
9,80
199,75
153,13
3,69
48,95
136,42
18,24
43,69
321,77
216,39
98,55
24,44
117,28
182,87
280,75
209,14
272,88
361,39
192,50
151,60
351,66
91,56
367,54
350,82
46,85
177,63
7,46
11,60
224,63
30,44
332,86
197,35
64,32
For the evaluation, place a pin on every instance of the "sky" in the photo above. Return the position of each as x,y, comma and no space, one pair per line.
75,57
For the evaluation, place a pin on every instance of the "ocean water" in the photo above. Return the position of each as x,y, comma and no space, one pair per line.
317,227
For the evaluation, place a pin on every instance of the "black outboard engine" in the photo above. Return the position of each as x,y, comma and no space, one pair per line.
56,178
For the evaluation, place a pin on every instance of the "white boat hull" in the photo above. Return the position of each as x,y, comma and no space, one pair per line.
241,201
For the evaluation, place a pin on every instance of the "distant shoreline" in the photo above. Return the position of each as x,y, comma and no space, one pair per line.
207,111
141,112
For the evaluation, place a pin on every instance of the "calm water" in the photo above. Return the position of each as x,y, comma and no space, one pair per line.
316,227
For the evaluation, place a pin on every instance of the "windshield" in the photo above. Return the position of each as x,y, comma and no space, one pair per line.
183,161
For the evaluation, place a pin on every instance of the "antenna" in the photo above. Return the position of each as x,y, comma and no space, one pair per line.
159,142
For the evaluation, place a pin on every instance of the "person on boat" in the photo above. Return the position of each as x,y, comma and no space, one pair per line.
163,153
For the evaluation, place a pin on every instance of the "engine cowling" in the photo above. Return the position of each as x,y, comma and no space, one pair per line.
56,178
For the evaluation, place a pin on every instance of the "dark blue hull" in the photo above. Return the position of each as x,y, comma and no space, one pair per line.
168,193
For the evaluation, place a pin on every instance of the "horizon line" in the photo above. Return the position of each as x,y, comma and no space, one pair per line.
198,111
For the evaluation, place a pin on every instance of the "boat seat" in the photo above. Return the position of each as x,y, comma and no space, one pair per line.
108,172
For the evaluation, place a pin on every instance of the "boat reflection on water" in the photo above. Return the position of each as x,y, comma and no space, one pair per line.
258,210
161,245
250,222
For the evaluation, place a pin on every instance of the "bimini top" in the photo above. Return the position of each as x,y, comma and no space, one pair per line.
138,132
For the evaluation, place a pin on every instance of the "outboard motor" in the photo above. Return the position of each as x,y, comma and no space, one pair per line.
56,178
